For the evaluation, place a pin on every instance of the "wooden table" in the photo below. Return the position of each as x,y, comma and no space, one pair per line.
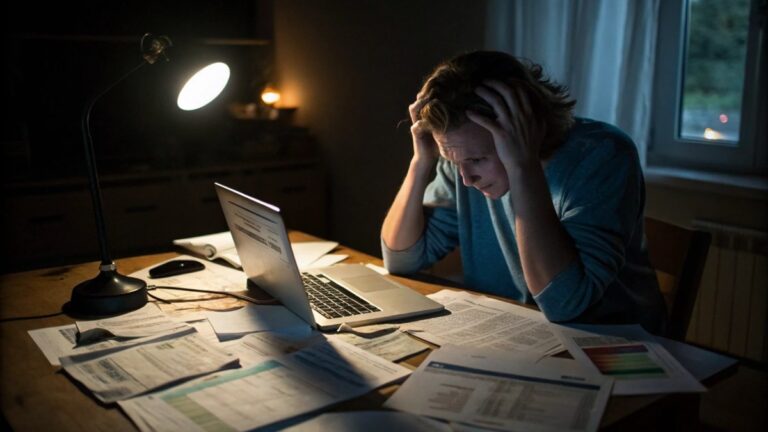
38,396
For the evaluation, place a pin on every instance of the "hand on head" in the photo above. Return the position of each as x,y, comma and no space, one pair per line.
425,149
515,131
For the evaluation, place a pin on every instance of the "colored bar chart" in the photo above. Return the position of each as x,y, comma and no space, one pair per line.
625,361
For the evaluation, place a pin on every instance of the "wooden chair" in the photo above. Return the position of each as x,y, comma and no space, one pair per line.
678,254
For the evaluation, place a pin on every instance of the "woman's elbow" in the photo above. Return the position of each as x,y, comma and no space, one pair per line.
568,296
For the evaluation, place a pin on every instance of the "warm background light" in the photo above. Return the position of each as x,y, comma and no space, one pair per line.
203,87
270,96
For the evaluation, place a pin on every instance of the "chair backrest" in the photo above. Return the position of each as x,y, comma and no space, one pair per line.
678,254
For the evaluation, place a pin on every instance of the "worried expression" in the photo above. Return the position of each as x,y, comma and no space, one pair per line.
471,148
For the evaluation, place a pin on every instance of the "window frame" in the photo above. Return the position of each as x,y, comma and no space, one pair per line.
667,148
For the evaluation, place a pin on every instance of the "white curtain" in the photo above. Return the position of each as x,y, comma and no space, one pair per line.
603,50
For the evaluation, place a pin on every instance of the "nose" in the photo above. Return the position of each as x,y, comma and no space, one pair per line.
468,176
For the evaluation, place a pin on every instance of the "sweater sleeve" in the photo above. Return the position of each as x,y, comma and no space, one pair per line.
440,234
600,207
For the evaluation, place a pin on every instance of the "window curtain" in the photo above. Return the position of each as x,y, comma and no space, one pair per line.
603,50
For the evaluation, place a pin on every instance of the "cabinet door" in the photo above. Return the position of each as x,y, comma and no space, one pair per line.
300,192
202,203
143,215
43,229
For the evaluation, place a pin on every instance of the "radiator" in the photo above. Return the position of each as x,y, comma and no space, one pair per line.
730,310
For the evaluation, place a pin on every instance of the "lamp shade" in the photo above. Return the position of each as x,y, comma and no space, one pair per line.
203,87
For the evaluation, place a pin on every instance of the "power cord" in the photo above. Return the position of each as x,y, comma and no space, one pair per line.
235,295
154,287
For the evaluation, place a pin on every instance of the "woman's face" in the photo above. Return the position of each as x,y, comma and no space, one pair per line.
472,149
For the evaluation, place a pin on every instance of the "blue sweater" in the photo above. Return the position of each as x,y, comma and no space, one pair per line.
598,194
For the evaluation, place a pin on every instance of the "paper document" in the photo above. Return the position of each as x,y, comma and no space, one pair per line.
480,321
213,246
510,391
60,341
631,355
222,245
256,348
253,318
147,321
393,346
205,330
377,269
326,261
370,421
701,363
307,253
275,390
136,370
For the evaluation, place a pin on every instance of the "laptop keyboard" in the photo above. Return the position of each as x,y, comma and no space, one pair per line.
331,300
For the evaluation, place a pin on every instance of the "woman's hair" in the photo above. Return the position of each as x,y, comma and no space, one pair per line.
450,91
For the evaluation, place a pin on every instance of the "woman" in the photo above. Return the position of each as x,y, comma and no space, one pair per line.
546,208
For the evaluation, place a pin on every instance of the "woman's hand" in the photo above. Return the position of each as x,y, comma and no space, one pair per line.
516,133
425,151
404,224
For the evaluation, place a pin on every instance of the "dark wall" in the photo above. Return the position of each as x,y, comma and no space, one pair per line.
150,155
58,55
352,68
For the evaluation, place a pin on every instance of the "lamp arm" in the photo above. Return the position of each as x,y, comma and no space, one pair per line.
93,176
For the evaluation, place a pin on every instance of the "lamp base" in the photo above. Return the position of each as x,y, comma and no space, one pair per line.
109,293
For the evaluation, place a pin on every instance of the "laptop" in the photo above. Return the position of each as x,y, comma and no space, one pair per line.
326,297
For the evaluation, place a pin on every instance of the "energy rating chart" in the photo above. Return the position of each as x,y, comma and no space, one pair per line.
625,361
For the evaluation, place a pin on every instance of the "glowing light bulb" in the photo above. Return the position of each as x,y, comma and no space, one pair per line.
723,118
270,96
203,87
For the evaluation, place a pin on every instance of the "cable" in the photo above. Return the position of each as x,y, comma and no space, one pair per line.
31,317
153,287
237,296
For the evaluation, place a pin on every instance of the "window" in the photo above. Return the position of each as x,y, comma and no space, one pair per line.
709,86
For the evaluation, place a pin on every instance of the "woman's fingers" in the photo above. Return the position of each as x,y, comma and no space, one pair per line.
524,103
496,101
506,94
424,146
415,107
491,125
515,102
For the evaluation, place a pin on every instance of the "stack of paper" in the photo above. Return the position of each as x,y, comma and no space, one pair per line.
139,369
480,321
147,321
275,390
351,421
221,245
510,391
254,318
56,342
256,348
391,345
632,356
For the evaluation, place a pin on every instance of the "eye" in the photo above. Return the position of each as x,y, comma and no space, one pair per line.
476,160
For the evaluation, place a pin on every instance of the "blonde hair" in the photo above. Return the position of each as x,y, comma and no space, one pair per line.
450,91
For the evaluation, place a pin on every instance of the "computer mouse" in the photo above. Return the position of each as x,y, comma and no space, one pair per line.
175,267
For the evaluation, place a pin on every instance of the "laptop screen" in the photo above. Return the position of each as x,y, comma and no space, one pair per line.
265,251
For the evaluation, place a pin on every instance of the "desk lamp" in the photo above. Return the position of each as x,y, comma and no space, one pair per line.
110,293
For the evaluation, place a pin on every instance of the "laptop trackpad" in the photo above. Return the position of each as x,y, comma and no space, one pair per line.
369,283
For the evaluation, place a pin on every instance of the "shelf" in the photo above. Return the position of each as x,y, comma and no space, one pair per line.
133,39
